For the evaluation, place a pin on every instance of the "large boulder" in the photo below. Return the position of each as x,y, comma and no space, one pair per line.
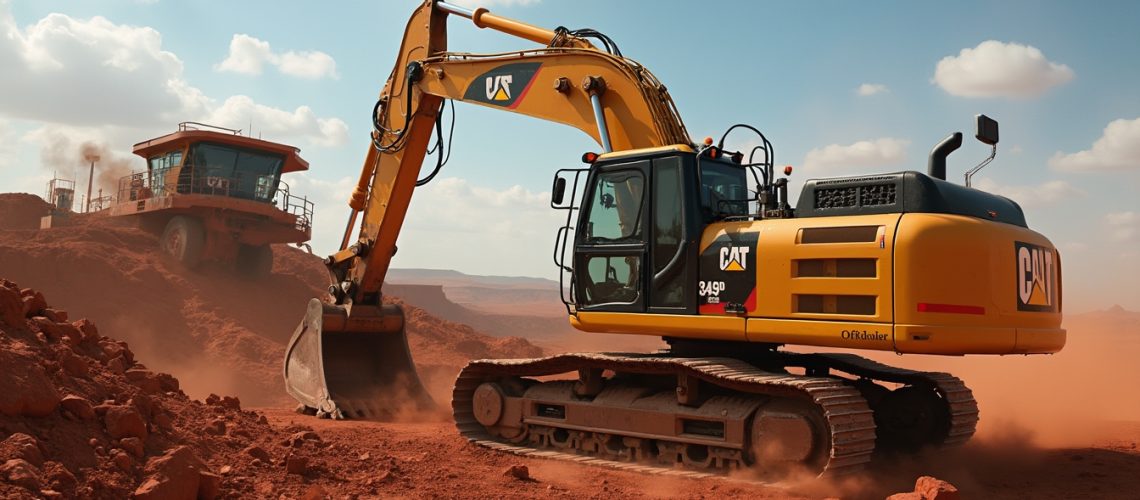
27,390
11,308
932,488
34,302
78,406
929,488
19,472
124,421
22,446
176,475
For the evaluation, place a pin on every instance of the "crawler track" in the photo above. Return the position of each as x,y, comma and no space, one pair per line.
961,406
848,418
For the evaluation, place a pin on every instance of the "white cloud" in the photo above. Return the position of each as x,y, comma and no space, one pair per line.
248,55
330,207
240,112
452,223
869,89
92,71
1117,149
7,145
852,157
1074,247
1037,195
1122,226
998,69
98,74
514,224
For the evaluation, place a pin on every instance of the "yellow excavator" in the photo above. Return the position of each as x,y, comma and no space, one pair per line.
698,244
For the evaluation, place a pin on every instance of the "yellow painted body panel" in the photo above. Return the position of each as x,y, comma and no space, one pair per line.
779,250
963,269
855,335
684,326
951,259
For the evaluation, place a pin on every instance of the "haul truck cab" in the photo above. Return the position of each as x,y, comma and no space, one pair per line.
212,194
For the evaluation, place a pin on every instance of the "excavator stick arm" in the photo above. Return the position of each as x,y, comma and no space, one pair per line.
347,359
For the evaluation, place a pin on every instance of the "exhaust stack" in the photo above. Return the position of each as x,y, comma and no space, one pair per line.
937,165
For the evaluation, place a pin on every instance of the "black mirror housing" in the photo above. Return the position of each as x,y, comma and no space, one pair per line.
987,130
558,193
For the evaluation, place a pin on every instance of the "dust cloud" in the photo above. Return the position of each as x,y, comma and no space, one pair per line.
71,158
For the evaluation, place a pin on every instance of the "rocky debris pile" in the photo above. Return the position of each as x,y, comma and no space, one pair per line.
80,417
929,488
215,331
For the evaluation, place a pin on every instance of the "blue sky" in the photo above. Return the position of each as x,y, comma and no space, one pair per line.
1056,75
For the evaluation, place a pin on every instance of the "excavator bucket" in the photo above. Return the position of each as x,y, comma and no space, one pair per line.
353,368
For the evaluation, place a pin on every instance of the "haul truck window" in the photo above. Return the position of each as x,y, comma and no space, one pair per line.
235,172
159,168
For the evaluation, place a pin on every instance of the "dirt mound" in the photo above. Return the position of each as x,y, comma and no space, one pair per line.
81,418
22,211
214,331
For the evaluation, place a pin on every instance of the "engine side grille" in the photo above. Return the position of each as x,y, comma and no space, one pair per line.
877,194
856,196
837,197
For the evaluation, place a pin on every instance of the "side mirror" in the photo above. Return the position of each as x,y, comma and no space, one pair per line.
987,133
558,193
987,130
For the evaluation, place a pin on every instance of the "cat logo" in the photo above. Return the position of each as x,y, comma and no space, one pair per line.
733,258
504,86
1036,278
499,87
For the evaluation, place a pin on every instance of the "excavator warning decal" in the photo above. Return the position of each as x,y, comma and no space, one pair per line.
503,86
1036,278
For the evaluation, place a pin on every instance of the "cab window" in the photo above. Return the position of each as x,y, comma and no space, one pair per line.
724,190
615,213
237,172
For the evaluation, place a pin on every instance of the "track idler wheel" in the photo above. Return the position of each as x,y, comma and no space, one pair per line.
786,434
487,404
496,413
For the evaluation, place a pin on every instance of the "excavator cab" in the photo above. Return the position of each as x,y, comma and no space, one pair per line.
635,244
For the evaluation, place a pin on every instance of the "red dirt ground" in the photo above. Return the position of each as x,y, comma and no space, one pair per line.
218,334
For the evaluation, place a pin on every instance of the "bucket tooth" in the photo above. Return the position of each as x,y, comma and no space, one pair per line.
353,365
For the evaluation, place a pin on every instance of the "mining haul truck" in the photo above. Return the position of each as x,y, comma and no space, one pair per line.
212,194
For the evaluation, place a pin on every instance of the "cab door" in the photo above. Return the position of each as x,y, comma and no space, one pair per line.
610,251
672,274
634,249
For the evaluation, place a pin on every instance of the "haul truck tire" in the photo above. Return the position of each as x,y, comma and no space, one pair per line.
184,240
